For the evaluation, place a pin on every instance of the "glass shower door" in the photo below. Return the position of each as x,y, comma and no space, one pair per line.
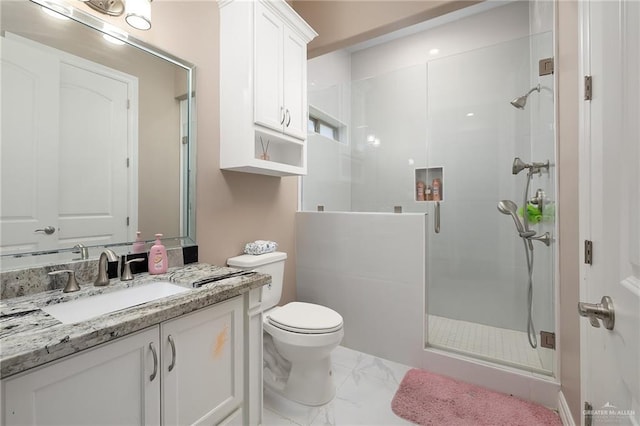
478,283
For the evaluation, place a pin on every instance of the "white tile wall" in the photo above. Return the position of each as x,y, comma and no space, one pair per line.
370,268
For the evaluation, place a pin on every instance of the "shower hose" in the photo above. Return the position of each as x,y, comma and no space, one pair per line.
528,251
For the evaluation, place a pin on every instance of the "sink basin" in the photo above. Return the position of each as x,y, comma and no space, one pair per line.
93,306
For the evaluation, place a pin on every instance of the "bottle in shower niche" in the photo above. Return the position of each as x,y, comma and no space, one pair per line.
436,190
158,261
420,191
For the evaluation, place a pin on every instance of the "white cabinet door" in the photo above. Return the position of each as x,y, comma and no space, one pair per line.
110,384
202,365
269,109
295,80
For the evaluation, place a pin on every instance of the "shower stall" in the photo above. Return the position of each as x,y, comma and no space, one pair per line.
437,138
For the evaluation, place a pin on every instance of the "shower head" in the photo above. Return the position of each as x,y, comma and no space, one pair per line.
521,101
509,208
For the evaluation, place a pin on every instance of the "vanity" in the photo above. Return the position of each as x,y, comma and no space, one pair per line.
194,357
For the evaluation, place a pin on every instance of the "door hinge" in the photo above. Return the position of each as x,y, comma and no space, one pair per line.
548,339
128,104
185,140
588,88
127,220
588,414
588,252
545,66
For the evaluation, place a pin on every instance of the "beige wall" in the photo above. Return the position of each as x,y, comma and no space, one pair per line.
569,241
232,208
343,23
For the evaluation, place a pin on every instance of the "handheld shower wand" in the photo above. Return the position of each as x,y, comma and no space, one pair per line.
509,208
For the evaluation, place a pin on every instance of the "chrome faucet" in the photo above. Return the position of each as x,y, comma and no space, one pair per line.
82,249
106,256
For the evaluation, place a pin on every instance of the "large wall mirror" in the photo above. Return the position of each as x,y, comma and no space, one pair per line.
97,135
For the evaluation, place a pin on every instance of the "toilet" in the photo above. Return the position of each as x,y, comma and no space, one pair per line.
298,337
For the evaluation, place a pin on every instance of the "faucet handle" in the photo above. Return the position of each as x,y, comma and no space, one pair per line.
72,284
126,273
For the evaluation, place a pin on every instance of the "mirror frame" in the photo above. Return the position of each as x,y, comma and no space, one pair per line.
94,23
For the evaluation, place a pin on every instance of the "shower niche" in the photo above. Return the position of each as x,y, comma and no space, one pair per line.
428,184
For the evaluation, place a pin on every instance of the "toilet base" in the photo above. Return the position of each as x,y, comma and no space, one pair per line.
309,383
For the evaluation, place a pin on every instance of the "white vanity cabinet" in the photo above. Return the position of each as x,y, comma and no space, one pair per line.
263,87
110,384
189,370
202,365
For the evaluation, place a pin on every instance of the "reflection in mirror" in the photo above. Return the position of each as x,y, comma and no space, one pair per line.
96,136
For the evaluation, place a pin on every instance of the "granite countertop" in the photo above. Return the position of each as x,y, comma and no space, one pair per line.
29,337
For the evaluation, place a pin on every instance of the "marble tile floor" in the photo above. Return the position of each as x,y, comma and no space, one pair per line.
508,347
365,386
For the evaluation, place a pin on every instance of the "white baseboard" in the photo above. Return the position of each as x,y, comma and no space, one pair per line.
564,411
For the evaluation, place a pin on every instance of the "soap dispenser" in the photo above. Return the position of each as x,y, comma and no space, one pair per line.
158,261
138,245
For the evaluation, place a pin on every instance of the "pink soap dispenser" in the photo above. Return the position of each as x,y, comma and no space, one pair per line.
138,245
158,261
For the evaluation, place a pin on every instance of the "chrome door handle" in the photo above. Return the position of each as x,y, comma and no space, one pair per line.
599,311
283,115
288,118
173,352
47,230
436,218
155,362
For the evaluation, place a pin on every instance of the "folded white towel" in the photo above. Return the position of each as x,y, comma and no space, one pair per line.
260,247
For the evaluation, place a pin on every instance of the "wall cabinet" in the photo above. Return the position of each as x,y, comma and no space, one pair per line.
263,87
189,370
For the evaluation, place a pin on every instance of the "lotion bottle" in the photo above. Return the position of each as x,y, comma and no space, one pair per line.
436,188
138,245
158,261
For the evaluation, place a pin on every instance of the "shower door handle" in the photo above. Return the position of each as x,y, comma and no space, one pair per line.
436,218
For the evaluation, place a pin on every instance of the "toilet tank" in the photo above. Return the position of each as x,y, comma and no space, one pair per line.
268,263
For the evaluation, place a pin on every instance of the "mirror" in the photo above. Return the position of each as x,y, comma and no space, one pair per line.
97,137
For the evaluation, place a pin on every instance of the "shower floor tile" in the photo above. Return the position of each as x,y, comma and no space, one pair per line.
508,347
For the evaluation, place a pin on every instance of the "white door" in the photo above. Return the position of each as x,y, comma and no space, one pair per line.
93,201
610,209
29,153
294,80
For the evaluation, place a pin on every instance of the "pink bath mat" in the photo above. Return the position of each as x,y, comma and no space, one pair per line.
430,399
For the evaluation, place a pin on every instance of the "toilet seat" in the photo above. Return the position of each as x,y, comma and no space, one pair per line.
305,318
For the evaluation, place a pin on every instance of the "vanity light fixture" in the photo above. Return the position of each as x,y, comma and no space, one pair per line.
56,10
137,12
113,35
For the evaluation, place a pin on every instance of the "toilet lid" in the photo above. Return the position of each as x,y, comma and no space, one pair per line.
300,317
